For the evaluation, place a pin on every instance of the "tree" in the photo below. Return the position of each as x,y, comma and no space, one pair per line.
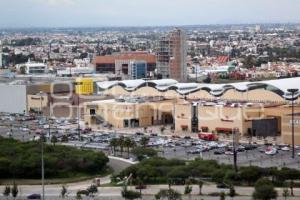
188,190
130,195
144,141
92,189
63,191
285,193
121,145
54,140
113,144
6,191
291,185
200,185
250,174
232,192
264,190
222,196
14,190
169,194
141,153
64,138
128,143
140,184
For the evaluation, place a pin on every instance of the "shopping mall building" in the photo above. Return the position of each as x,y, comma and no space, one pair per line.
254,108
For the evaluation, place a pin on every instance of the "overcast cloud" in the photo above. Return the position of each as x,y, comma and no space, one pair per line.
61,13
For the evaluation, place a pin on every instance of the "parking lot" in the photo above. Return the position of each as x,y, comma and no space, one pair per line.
28,128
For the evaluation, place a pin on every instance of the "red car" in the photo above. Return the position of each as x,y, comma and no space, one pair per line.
208,136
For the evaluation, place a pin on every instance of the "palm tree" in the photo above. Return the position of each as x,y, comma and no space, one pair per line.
291,185
113,144
188,190
200,185
121,144
63,191
128,143
285,193
6,191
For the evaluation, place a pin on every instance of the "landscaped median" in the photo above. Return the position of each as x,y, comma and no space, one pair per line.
178,172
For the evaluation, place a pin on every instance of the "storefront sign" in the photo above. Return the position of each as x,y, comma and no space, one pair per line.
296,122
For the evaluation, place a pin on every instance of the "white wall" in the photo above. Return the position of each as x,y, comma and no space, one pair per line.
12,98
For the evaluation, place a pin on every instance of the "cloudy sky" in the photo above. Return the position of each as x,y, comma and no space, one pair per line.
70,13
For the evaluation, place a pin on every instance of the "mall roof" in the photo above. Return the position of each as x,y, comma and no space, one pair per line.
279,86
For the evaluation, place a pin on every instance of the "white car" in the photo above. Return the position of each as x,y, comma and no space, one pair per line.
298,154
222,145
271,151
285,148
228,153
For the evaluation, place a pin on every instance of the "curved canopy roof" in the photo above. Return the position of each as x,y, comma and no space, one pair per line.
279,86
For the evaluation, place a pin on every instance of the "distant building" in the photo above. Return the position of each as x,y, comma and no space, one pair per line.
119,64
75,71
137,70
171,55
84,86
85,62
32,68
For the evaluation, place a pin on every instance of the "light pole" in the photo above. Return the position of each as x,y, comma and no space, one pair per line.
78,116
293,92
42,150
234,131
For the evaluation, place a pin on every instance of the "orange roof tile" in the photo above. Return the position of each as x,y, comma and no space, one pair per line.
110,59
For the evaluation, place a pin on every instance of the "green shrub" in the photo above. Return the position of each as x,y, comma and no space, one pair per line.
23,160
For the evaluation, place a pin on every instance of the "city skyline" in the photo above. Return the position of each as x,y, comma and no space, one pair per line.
98,13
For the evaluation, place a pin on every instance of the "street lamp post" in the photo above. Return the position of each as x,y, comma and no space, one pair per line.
293,92
78,116
234,132
42,150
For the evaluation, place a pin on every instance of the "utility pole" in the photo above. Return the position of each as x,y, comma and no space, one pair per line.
293,92
78,116
42,150
234,131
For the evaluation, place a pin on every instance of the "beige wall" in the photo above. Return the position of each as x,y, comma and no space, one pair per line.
215,117
116,91
287,130
115,113
183,112
202,94
34,102
146,91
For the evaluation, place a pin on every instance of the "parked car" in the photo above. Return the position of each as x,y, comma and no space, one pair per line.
34,196
208,136
140,187
271,151
228,153
194,151
222,185
219,152
250,147
286,148
139,133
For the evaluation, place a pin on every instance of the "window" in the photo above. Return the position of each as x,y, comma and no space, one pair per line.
92,112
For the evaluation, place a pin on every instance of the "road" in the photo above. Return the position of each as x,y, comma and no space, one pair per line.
53,191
